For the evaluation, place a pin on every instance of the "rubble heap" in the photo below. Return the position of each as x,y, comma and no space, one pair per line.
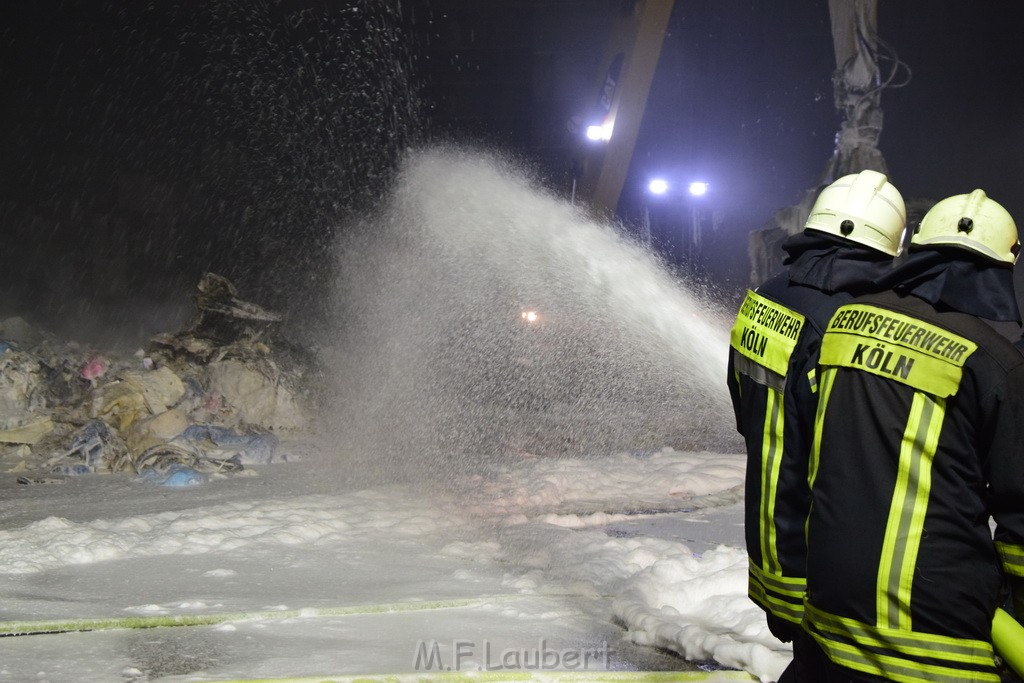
210,398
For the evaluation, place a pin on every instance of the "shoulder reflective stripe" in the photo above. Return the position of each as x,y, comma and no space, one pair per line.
900,655
825,379
897,347
1012,556
766,332
771,458
907,511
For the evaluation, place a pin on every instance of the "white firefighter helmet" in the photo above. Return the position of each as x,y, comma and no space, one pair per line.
864,208
970,221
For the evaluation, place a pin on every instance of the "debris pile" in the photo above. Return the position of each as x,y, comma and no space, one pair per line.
208,399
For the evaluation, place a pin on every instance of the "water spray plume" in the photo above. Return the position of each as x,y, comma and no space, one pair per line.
436,360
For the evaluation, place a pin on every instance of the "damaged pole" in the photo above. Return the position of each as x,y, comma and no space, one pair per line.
857,87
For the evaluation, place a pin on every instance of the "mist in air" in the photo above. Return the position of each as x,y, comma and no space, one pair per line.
477,316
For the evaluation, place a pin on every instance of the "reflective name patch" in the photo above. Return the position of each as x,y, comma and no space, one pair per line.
766,332
898,347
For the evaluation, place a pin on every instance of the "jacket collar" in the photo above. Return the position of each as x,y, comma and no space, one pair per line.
832,264
951,279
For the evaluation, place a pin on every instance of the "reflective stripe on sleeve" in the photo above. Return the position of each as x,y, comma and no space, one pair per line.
826,378
1012,556
781,595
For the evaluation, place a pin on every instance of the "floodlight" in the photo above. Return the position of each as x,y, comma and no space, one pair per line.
658,186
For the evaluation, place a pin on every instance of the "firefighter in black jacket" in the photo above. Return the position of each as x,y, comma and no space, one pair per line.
849,240
919,440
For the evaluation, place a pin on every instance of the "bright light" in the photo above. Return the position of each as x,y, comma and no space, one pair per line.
658,186
599,133
698,189
530,316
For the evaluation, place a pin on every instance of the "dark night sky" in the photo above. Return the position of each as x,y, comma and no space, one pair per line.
145,143
741,99
743,95
960,122
198,124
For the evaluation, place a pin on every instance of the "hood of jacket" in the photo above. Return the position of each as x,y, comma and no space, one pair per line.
832,264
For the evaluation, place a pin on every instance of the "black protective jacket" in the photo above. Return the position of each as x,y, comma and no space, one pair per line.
773,355
919,439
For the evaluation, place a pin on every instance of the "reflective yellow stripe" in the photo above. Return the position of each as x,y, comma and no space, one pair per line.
907,511
812,379
893,653
826,379
771,460
897,347
900,642
793,586
766,332
781,595
895,669
783,609
1012,556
